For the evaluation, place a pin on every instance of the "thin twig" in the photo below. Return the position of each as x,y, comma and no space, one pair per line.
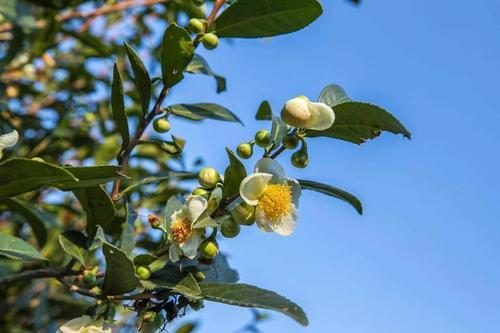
38,274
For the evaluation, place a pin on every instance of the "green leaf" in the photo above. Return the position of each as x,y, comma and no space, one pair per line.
278,130
250,296
173,176
144,259
177,50
200,65
202,111
20,175
233,176
333,192
120,273
17,249
357,122
74,244
141,75
91,176
266,18
118,107
218,271
333,95
172,278
32,216
264,112
19,12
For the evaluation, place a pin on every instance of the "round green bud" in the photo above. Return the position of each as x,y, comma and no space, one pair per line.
196,304
208,250
210,41
161,125
300,159
149,316
196,25
198,2
263,138
143,272
89,279
230,228
199,276
244,214
208,177
290,141
201,191
244,150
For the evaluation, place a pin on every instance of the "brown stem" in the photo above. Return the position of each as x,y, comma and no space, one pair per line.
38,274
217,6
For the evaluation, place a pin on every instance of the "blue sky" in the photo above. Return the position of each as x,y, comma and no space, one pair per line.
423,257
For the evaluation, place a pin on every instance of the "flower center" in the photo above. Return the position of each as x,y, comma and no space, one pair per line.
181,229
276,201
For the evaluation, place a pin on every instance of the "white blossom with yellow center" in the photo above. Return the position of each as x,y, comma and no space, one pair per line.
8,140
300,112
180,217
274,196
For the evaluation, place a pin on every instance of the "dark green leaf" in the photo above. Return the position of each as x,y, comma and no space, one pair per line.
173,176
218,271
74,245
200,65
233,176
250,296
202,111
332,191
177,50
266,18
120,273
264,112
142,80
144,259
118,106
17,249
91,176
20,175
172,278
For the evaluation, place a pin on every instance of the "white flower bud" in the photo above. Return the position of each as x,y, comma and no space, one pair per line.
296,112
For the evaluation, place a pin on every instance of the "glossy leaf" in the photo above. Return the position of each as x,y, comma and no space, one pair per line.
333,192
74,244
217,271
171,277
91,176
118,107
279,130
266,18
120,273
202,111
233,176
264,112
34,218
200,65
177,50
18,249
141,75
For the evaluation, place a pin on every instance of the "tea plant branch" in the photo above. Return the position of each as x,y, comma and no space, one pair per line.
58,272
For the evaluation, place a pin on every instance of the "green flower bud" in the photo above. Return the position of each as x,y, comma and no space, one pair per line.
143,272
290,141
263,138
300,159
244,214
244,150
210,41
208,177
201,191
89,279
196,304
161,125
208,250
230,228
199,276
149,316
198,3
196,25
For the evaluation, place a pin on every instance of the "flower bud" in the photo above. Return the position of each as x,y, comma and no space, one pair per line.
244,214
208,177
291,141
296,112
143,272
263,138
244,150
230,228
161,125
199,276
201,191
208,250
154,221
210,41
300,159
196,25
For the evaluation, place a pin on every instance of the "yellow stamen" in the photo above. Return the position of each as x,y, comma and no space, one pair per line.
276,201
181,229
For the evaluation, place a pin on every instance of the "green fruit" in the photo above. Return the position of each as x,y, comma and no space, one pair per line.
196,25
210,41
89,279
208,250
199,276
290,141
208,177
263,138
143,272
161,125
230,228
198,2
300,159
244,214
244,150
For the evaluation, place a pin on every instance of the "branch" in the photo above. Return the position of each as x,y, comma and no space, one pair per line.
38,274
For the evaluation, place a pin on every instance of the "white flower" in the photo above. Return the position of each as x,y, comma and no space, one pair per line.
275,197
84,324
8,140
180,218
302,113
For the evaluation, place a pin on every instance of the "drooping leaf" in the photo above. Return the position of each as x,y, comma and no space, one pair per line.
74,243
200,65
141,76
172,278
233,176
120,274
17,249
118,107
264,112
250,296
202,111
333,192
19,175
266,18
91,176
177,50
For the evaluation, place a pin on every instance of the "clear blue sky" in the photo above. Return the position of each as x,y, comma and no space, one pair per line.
424,257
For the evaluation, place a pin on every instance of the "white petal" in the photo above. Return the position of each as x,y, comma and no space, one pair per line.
174,252
9,140
253,187
190,246
195,206
322,117
296,190
268,165
262,222
173,205
286,225
216,194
